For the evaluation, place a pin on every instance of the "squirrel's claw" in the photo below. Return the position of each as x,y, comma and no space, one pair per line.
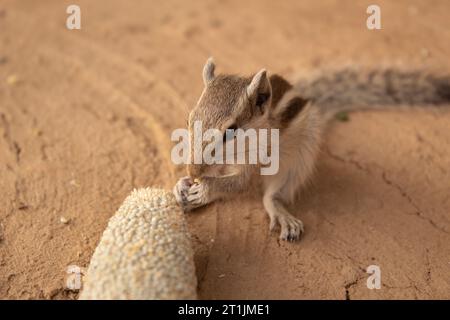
197,195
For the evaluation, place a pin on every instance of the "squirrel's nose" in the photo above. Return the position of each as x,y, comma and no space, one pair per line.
194,170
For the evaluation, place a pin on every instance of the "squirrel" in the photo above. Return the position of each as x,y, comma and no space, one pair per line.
301,112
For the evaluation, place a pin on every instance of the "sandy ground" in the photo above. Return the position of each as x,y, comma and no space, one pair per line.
86,116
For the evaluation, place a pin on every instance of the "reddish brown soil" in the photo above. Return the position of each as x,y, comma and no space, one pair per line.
86,116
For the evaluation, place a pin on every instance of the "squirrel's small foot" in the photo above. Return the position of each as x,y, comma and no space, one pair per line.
180,190
291,227
190,194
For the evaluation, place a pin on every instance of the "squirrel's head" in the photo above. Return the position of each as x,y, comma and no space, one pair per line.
229,102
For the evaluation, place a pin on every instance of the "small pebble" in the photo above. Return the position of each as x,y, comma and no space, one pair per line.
64,220
23,206
74,183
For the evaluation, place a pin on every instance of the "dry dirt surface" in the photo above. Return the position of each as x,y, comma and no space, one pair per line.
86,116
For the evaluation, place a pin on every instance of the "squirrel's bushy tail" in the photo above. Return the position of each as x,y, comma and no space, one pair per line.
348,90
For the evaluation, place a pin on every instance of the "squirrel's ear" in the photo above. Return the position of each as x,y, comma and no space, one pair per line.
259,90
208,71
257,82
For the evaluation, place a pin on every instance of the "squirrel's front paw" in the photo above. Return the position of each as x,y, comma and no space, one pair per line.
197,195
180,190
190,195
291,227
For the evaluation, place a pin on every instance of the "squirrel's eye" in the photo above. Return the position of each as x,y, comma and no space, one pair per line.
229,133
